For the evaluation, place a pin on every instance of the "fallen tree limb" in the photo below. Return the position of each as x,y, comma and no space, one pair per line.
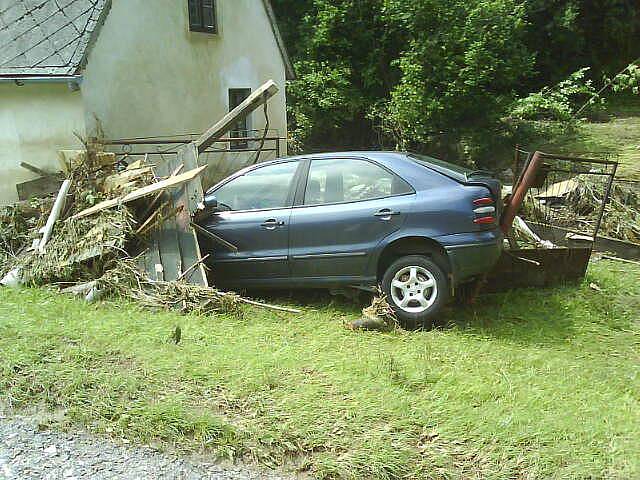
268,306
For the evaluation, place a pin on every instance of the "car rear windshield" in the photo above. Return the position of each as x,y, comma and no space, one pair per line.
457,172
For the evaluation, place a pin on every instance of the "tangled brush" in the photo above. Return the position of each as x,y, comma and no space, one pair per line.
124,279
79,249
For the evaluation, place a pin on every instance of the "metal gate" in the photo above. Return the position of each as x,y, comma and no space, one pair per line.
569,198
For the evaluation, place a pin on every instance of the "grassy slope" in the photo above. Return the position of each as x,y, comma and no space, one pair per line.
620,137
529,384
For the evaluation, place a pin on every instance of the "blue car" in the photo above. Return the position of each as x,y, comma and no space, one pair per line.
415,226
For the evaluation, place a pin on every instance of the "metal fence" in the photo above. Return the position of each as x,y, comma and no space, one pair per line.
224,157
569,197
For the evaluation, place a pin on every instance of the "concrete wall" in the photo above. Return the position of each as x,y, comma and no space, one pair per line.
36,120
148,75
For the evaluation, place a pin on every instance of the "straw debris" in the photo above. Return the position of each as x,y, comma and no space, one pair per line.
99,254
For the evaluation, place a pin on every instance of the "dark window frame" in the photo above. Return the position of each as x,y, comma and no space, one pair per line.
202,16
241,128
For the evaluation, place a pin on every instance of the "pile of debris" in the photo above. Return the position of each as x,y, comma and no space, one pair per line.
577,203
98,241
120,227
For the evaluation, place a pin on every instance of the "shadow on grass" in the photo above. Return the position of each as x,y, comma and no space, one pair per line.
525,316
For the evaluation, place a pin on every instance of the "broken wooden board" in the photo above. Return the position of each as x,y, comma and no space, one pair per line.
171,182
40,187
119,181
253,101
176,243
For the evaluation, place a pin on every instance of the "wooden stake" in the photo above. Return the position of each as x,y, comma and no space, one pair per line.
617,259
193,267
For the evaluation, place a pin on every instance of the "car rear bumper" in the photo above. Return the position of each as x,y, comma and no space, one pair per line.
472,254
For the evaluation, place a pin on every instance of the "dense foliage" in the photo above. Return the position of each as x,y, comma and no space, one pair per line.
452,77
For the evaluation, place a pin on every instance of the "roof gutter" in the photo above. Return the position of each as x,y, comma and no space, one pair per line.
73,81
18,80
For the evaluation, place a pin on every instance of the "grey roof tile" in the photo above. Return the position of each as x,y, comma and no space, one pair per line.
47,37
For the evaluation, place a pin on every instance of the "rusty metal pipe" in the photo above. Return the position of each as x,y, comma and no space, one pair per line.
518,195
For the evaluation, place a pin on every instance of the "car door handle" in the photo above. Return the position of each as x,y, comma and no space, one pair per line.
272,224
386,214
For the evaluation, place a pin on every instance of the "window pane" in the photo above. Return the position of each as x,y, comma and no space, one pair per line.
195,17
264,188
335,181
209,15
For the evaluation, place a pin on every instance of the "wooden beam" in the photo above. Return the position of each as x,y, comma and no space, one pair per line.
143,192
253,101
36,170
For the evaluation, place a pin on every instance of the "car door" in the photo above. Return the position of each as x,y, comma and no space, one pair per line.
347,207
253,214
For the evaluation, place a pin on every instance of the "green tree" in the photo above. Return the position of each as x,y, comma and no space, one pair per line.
441,76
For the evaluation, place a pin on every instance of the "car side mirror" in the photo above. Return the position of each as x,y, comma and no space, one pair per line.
210,202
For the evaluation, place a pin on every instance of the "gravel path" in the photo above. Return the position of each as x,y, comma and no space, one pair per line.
27,453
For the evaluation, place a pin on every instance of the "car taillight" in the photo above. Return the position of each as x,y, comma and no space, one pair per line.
485,221
483,201
485,211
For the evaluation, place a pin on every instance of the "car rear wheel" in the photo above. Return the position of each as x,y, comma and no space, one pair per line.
417,289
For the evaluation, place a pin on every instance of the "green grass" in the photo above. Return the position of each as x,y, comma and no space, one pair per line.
619,137
529,384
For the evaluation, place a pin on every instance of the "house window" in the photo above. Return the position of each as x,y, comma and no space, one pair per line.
202,16
241,128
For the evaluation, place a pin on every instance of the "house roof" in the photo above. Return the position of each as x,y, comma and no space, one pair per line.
48,38
51,38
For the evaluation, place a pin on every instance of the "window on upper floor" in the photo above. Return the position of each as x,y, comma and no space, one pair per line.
202,16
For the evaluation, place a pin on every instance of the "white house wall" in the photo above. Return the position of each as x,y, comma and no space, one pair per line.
148,75
36,120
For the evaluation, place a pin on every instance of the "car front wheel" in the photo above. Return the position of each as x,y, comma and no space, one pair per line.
417,289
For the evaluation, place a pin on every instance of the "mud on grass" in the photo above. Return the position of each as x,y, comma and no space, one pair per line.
530,384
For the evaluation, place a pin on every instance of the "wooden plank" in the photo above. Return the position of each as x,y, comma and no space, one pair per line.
253,101
118,181
171,182
166,238
188,197
36,170
40,187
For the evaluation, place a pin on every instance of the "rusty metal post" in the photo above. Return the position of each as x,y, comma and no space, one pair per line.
519,193
607,195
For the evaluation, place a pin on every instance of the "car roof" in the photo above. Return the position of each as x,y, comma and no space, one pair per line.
374,155
399,163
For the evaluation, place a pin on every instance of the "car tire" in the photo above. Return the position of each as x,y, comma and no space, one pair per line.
417,289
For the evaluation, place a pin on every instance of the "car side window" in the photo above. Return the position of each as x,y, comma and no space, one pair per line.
350,180
261,189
